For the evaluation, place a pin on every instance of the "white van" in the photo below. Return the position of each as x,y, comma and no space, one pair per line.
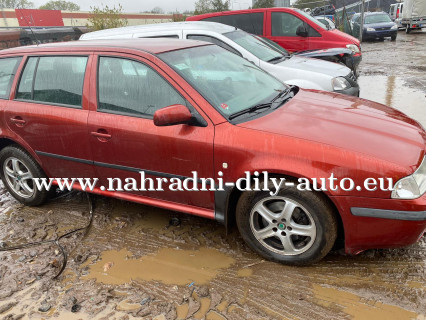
395,12
304,72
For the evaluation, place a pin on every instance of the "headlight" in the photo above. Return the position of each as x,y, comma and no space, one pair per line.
371,29
411,187
340,83
394,27
353,47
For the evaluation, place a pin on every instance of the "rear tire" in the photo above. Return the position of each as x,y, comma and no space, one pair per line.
294,227
17,170
407,29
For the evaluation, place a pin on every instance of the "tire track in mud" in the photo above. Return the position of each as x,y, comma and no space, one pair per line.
373,282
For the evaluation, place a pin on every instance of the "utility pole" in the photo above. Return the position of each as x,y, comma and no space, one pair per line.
362,20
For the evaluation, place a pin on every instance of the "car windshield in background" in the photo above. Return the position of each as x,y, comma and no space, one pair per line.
251,44
308,16
273,45
377,18
230,83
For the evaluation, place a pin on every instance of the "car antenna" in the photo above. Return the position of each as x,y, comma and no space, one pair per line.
31,29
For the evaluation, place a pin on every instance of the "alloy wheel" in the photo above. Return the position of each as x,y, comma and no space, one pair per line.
18,177
282,225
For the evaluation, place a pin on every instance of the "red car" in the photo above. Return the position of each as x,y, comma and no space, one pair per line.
293,29
102,109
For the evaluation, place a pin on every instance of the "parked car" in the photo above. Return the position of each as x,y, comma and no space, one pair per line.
293,29
103,109
377,25
326,21
324,10
301,71
414,15
395,12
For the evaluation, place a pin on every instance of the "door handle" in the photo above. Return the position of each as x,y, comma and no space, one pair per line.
102,136
18,121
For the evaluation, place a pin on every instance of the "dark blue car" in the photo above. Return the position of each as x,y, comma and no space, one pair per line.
377,25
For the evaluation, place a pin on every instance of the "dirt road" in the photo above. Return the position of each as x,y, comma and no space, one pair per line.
135,263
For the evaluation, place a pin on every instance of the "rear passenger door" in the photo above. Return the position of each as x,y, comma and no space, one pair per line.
49,112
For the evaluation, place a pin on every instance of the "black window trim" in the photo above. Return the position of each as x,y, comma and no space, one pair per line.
126,114
206,35
80,107
9,86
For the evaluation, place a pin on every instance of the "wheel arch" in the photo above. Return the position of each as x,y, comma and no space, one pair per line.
233,195
7,141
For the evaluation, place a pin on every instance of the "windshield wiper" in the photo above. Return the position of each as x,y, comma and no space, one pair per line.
282,94
285,94
276,58
251,110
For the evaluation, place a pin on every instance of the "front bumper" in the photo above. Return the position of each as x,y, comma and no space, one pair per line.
372,223
379,34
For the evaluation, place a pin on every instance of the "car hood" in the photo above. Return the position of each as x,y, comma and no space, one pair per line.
316,65
324,52
379,25
349,123
346,36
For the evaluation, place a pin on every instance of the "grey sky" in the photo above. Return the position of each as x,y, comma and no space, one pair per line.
147,5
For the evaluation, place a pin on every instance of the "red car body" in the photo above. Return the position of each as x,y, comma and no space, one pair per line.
324,39
313,135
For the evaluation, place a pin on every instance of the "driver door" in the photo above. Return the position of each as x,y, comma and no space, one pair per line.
124,139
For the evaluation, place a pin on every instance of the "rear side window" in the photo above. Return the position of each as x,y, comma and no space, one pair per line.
131,88
8,68
249,22
54,80
214,41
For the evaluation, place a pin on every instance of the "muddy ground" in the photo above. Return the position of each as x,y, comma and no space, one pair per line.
134,263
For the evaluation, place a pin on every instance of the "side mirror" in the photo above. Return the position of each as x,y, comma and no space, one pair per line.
172,115
301,31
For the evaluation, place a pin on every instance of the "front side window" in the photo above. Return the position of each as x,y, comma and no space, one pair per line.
285,25
8,68
229,82
131,88
54,80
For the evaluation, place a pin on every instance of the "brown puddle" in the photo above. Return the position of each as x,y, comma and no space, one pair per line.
169,266
357,307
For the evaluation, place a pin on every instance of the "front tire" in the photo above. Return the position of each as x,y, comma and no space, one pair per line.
294,227
17,171
393,38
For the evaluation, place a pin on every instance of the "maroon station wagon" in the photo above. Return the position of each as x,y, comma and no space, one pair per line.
110,109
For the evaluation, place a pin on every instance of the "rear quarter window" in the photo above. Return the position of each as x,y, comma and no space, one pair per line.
8,68
249,22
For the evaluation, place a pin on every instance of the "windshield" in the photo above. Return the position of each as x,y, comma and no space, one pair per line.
229,82
251,44
273,45
307,15
377,18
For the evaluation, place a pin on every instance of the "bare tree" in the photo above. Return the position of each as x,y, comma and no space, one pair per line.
106,18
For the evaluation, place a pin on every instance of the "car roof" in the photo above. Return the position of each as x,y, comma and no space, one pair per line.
153,46
242,11
159,27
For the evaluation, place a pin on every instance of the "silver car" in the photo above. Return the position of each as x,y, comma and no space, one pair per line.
304,72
